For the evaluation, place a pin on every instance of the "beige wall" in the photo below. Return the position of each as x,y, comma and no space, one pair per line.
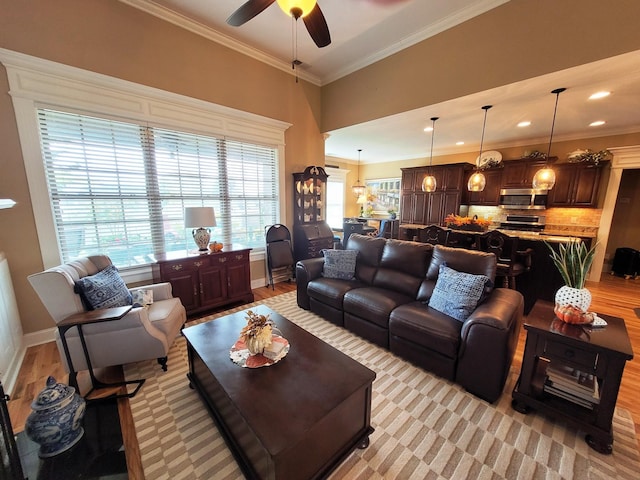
625,232
111,38
516,41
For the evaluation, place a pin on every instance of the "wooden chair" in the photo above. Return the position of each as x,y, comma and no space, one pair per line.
434,234
511,261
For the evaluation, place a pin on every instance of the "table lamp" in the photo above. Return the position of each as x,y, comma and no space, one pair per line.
200,217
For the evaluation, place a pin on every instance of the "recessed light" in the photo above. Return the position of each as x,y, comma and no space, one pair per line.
597,95
459,143
597,123
526,123
428,129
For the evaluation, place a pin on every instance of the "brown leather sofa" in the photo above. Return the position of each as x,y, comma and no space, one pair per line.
387,304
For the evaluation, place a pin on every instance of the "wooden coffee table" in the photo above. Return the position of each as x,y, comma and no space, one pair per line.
296,419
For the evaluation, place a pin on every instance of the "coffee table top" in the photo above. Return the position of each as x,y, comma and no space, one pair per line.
613,337
293,394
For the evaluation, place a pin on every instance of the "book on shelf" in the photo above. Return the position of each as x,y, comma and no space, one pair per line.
568,396
572,383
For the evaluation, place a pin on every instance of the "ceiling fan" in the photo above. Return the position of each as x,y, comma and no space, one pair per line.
309,10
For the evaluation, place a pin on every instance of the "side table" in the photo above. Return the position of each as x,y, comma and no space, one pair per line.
86,318
600,352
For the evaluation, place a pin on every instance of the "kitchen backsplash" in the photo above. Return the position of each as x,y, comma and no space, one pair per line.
569,221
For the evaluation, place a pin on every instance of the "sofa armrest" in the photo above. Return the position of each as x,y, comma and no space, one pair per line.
307,270
161,291
488,342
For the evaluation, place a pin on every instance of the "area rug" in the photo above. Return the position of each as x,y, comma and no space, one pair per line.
425,427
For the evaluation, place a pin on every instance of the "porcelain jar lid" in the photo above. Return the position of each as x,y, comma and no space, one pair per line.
53,395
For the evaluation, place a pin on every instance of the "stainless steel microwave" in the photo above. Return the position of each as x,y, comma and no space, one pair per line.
523,198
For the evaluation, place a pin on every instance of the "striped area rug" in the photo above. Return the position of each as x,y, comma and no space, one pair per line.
425,427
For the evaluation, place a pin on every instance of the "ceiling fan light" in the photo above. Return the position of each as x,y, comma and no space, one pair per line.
544,179
476,182
429,183
305,6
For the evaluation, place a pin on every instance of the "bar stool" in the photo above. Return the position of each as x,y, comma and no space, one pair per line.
511,261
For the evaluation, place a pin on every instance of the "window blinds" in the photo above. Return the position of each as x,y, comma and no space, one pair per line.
120,188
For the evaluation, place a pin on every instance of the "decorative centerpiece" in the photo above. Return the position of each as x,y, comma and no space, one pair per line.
55,420
573,260
257,334
260,343
472,224
589,156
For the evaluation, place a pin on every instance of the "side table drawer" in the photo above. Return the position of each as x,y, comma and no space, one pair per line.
575,355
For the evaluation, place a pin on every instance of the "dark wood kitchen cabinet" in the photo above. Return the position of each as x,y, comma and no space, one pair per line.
422,208
490,196
520,173
206,281
577,185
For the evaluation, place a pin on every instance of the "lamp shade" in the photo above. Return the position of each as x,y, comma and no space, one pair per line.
544,179
199,217
476,182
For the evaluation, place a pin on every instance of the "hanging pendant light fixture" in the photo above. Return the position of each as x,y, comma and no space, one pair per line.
545,178
477,181
429,183
357,188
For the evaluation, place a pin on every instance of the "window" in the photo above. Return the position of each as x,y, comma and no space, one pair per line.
335,196
121,188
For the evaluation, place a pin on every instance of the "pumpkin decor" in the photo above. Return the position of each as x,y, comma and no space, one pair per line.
257,333
573,315
573,260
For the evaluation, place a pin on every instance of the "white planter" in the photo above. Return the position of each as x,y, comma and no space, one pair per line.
577,297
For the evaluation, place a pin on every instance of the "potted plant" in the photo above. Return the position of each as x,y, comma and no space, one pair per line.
392,213
573,260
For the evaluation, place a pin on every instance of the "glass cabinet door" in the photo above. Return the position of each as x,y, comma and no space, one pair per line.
309,195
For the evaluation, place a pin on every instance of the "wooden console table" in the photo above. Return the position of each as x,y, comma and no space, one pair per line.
600,352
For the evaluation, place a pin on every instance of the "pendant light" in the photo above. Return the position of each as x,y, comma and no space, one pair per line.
477,181
545,178
358,189
429,183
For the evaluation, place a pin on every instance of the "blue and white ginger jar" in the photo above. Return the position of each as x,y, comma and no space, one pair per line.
55,422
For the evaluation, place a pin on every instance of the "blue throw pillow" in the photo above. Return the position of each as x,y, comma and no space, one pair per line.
339,264
457,293
105,289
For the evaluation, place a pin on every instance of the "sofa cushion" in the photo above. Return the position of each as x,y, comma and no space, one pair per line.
369,254
468,261
339,264
142,297
427,327
105,289
331,290
373,304
457,293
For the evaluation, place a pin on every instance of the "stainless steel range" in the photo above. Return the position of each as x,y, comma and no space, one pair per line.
523,223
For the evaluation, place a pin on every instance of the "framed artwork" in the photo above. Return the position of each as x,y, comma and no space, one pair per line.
383,195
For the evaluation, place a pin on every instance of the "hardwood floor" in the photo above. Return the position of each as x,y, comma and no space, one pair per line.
612,296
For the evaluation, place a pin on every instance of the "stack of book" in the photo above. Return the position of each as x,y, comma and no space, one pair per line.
573,385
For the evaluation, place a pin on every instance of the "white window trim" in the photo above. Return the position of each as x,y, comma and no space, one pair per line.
35,82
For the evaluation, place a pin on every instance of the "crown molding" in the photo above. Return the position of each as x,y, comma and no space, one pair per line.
181,21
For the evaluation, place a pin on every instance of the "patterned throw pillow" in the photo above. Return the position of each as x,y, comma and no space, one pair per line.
456,293
105,289
339,264
142,297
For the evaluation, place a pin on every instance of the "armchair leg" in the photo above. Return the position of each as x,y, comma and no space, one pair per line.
162,361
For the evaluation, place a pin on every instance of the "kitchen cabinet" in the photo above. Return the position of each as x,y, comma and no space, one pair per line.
520,173
206,281
422,208
577,185
490,196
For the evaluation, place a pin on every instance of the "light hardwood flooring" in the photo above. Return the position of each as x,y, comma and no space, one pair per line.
611,296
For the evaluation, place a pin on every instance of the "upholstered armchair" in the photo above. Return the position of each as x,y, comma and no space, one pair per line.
144,332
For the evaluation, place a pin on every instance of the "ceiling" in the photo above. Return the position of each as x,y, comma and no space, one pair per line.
365,31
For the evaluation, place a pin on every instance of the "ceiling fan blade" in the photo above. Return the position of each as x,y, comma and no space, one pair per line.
247,11
317,27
